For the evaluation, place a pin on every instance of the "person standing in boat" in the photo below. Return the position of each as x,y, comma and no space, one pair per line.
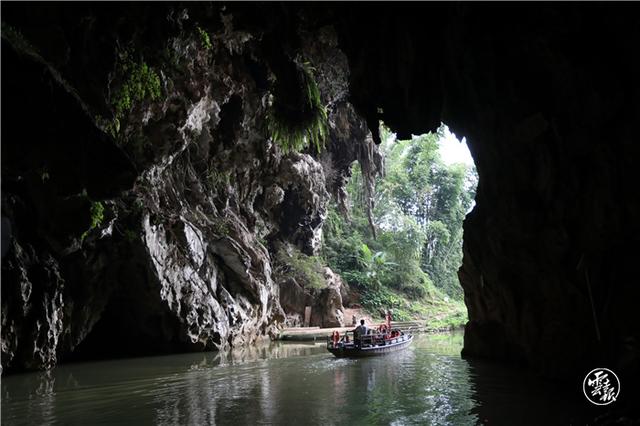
359,331
388,318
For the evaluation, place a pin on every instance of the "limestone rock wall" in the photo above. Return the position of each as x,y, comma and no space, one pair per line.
194,196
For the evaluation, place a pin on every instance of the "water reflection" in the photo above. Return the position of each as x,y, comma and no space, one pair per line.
175,389
507,395
289,383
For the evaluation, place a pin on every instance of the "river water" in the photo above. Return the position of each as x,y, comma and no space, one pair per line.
288,384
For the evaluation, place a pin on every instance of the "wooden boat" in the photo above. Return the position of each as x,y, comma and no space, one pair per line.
369,345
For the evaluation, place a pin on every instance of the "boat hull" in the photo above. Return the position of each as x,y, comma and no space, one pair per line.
350,351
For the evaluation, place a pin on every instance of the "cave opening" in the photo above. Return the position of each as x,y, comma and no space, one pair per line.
399,245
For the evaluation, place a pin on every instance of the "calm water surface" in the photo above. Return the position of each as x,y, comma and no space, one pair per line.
287,384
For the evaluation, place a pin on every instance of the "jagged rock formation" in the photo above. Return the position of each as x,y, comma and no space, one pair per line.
145,223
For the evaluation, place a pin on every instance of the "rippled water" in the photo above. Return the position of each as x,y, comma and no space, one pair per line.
292,384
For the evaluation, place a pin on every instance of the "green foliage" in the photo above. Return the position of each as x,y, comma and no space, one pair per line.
439,312
97,216
204,38
139,82
420,205
435,195
447,316
374,266
294,132
308,271
142,83
383,299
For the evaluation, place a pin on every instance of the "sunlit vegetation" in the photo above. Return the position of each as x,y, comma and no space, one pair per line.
204,38
141,83
420,203
136,82
97,216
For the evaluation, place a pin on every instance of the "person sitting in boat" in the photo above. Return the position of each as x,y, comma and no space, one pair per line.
359,331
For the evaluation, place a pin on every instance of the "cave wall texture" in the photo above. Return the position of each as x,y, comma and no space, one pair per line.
198,199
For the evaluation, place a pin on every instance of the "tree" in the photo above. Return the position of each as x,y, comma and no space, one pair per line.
420,204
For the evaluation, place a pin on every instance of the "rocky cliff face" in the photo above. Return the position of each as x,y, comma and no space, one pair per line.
142,195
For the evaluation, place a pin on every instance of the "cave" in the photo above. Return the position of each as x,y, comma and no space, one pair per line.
546,95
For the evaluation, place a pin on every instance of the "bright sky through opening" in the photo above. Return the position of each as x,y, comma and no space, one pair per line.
454,151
